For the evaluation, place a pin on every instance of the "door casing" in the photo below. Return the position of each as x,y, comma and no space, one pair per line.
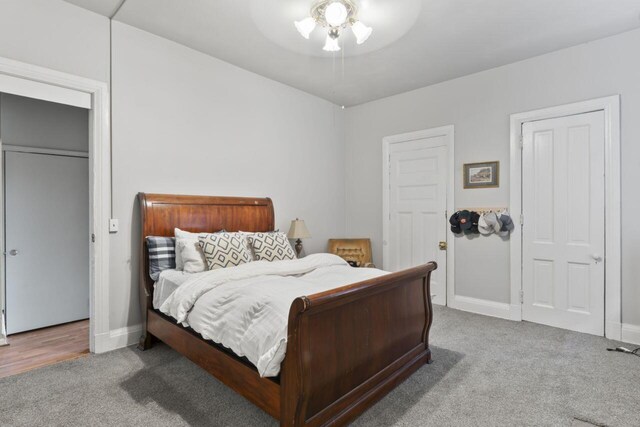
448,132
613,273
42,83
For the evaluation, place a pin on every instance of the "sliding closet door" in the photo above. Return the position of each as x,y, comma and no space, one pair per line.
47,240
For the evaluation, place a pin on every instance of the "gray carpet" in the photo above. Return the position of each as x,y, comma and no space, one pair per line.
487,372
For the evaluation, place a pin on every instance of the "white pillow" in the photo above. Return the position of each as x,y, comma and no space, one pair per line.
193,260
183,235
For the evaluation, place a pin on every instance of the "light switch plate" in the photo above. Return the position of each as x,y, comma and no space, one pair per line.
113,225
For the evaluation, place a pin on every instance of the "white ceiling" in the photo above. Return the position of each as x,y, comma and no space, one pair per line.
450,38
103,7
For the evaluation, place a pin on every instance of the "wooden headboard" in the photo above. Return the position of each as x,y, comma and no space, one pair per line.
161,213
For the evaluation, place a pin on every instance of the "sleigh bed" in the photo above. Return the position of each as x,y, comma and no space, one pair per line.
346,348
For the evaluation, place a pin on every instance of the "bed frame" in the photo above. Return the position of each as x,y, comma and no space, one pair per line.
346,348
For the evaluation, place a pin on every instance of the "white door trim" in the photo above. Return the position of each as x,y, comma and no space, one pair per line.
613,275
65,88
449,133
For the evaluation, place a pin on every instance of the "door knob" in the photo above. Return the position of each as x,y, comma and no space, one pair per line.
442,246
13,252
596,257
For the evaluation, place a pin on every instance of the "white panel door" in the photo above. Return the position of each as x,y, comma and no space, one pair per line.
563,196
418,176
47,240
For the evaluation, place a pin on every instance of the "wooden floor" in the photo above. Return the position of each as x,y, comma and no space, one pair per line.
42,347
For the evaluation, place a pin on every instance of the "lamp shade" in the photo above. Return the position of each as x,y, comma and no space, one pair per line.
298,230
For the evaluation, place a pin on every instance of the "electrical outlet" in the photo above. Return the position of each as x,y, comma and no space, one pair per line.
113,225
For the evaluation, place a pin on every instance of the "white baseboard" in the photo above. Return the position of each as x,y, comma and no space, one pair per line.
118,338
482,306
630,334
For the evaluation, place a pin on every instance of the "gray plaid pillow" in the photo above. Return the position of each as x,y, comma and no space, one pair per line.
162,255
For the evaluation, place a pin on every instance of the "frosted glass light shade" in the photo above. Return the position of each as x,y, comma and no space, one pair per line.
336,14
305,26
331,45
361,31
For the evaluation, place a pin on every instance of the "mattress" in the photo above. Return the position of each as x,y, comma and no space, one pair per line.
246,308
168,281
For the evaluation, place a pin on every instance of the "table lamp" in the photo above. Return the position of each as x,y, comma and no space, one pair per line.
298,230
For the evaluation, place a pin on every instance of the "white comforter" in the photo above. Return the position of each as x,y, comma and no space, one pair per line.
246,308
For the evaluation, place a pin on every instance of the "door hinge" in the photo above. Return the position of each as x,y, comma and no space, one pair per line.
521,219
521,297
521,142
93,238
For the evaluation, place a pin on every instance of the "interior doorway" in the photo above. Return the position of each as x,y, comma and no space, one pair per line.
565,188
46,229
40,83
46,212
563,196
417,194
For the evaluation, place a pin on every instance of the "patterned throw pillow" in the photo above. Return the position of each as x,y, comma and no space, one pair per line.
162,255
272,246
225,249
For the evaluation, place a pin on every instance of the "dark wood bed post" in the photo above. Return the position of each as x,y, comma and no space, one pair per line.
346,348
146,284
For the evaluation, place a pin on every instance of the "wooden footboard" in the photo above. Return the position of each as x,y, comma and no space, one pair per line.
349,347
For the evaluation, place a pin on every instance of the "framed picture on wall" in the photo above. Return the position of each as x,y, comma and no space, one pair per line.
482,175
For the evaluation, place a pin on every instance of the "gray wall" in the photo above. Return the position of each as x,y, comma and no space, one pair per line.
184,122
479,106
35,123
56,35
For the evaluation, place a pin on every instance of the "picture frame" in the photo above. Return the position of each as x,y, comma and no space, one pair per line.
481,175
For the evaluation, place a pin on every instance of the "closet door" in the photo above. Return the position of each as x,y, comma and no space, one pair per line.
563,238
47,240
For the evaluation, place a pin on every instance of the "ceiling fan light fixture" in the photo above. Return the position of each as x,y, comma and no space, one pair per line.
336,14
331,44
306,26
361,31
